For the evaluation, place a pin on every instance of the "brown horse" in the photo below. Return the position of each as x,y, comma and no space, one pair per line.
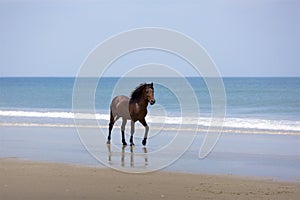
133,108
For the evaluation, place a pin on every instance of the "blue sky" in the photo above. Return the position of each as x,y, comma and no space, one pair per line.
244,38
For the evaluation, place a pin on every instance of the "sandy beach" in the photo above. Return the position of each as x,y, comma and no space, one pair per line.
21,179
51,163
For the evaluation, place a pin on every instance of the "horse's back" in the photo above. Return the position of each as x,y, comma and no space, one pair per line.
120,106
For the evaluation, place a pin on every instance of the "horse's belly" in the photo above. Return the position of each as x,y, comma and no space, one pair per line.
120,107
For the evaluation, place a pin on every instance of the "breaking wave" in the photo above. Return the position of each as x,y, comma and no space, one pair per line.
65,119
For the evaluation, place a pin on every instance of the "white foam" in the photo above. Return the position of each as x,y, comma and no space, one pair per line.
263,124
230,123
62,115
238,123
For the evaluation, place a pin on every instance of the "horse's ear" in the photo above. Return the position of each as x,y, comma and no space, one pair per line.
151,85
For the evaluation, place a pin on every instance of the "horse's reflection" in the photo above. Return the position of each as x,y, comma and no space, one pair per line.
142,158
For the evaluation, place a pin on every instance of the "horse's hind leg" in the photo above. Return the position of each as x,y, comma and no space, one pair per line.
123,131
111,124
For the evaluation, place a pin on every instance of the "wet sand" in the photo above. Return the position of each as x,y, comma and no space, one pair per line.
21,179
272,156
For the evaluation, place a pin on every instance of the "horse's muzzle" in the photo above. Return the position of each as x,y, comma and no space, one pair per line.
152,102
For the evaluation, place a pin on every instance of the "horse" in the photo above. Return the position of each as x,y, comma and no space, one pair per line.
134,109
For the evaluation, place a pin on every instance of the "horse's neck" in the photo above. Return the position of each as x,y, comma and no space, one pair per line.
143,103
138,109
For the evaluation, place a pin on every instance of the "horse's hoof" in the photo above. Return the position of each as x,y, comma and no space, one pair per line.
132,144
108,142
144,142
124,143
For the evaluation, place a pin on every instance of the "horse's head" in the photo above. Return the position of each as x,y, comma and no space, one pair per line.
148,93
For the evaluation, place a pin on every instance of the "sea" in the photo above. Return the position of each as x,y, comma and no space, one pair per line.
252,105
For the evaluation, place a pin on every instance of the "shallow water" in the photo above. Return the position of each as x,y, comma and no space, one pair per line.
270,156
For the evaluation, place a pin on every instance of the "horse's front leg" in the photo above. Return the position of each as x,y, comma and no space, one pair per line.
132,132
144,123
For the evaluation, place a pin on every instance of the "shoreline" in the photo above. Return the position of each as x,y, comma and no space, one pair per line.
204,130
46,180
233,154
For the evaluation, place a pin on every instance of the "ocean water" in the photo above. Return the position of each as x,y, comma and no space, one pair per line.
253,105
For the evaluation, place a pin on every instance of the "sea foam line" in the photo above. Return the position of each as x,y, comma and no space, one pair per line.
186,130
62,115
229,123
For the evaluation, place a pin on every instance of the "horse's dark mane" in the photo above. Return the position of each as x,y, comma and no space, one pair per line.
137,92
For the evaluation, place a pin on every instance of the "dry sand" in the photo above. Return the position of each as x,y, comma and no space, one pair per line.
35,180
